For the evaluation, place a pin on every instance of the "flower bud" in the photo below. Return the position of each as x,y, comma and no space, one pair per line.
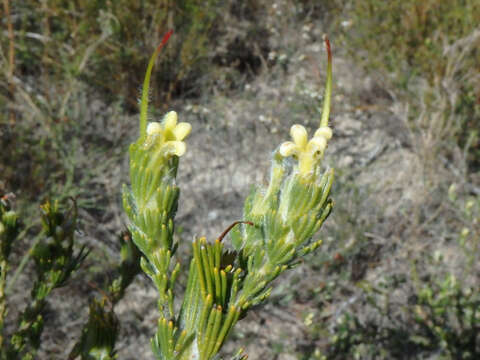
288,148
325,132
154,128
299,135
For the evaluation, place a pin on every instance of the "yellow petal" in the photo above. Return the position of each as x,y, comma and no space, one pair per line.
325,132
299,135
154,128
170,120
288,148
175,148
182,130
317,144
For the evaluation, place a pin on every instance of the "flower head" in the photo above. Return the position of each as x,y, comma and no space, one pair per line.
169,134
308,153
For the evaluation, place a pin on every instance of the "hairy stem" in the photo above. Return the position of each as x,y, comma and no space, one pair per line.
327,98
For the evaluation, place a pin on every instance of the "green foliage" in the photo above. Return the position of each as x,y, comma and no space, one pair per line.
128,268
432,310
429,50
55,261
100,333
447,313
9,227
441,317
279,224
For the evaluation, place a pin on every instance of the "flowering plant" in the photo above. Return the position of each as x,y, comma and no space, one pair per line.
278,227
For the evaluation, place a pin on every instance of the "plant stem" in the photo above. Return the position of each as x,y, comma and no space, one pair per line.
11,56
3,307
328,86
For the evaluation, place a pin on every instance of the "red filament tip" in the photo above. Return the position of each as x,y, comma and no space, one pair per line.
327,43
165,39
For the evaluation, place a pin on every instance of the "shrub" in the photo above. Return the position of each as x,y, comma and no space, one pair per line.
277,231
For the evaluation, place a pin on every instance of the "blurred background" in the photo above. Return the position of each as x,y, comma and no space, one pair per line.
398,274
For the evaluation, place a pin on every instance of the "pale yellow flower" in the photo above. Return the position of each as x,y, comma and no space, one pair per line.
169,134
308,153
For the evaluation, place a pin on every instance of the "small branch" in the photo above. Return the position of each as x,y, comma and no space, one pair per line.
225,232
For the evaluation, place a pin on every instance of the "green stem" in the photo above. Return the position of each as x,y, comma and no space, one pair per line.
328,86
146,86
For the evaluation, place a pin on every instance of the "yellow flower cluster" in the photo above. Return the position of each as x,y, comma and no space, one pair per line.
308,152
169,134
